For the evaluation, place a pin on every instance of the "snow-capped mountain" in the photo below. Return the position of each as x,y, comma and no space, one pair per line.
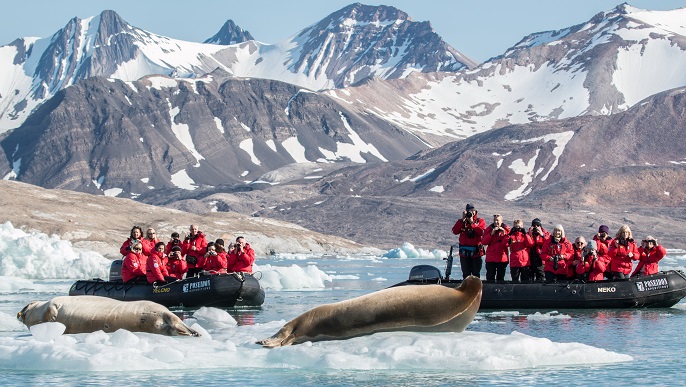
230,34
346,47
599,67
161,134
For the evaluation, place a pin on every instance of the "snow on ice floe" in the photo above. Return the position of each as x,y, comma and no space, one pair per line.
293,277
226,345
407,250
36,255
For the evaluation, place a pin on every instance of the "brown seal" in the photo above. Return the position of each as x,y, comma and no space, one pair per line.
434,308
86,314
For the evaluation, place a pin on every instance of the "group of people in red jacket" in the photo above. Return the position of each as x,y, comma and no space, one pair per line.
151,260
536,255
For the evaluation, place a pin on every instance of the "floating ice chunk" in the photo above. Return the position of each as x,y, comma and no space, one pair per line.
213,318
47,331
124,339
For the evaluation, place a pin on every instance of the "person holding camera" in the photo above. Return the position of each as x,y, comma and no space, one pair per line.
603,241
538,235
592,266
557,255
650,253
470,228
579,247
194,247
134,237
519,242
496,238
241,257
176,265
622,252
215,258
175,240
156,268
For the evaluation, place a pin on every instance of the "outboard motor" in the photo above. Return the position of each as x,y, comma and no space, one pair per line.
115,270
425,273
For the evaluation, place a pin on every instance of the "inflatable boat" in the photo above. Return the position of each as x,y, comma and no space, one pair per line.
661,290
217,290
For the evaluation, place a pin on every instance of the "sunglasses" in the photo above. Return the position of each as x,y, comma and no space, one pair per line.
137,249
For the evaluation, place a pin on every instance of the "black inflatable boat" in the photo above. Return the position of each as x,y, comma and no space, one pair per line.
660,290
217,290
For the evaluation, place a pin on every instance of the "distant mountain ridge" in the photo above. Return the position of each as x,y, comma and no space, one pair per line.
386,44
600,67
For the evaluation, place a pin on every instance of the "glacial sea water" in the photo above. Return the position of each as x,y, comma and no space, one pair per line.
571,347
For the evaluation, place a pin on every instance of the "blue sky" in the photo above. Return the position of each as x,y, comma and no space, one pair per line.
480,29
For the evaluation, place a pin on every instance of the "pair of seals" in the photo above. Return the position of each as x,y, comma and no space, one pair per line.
426,308
86,314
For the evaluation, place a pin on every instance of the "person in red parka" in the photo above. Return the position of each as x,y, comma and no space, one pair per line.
623,251
650,253
176,265
135,237
519,243
216,258
133,266
241,257
470,228
194,248
603,241
150,241
556,254
495,238
155,266
538,235
592,265
175,240
578,255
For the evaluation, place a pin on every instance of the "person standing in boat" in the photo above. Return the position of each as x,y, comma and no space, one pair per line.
538,236
622,252
603,241
650,253
134,237
556,254
194,248
495,238
133,267
176,265
241,257
150,241
155,267
470,228
519,242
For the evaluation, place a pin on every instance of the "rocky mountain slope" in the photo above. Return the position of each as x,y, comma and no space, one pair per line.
102,223
162,134
627,168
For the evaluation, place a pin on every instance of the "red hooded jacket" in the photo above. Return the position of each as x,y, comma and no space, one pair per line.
497,243
177,268
562,248
519,243
155,270
133,266
470,233
243,261
619,256
648,260
200,244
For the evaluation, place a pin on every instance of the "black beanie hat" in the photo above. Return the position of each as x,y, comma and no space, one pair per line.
536,222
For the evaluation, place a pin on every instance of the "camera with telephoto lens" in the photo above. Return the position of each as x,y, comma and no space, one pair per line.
191,260
469,214
556,259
